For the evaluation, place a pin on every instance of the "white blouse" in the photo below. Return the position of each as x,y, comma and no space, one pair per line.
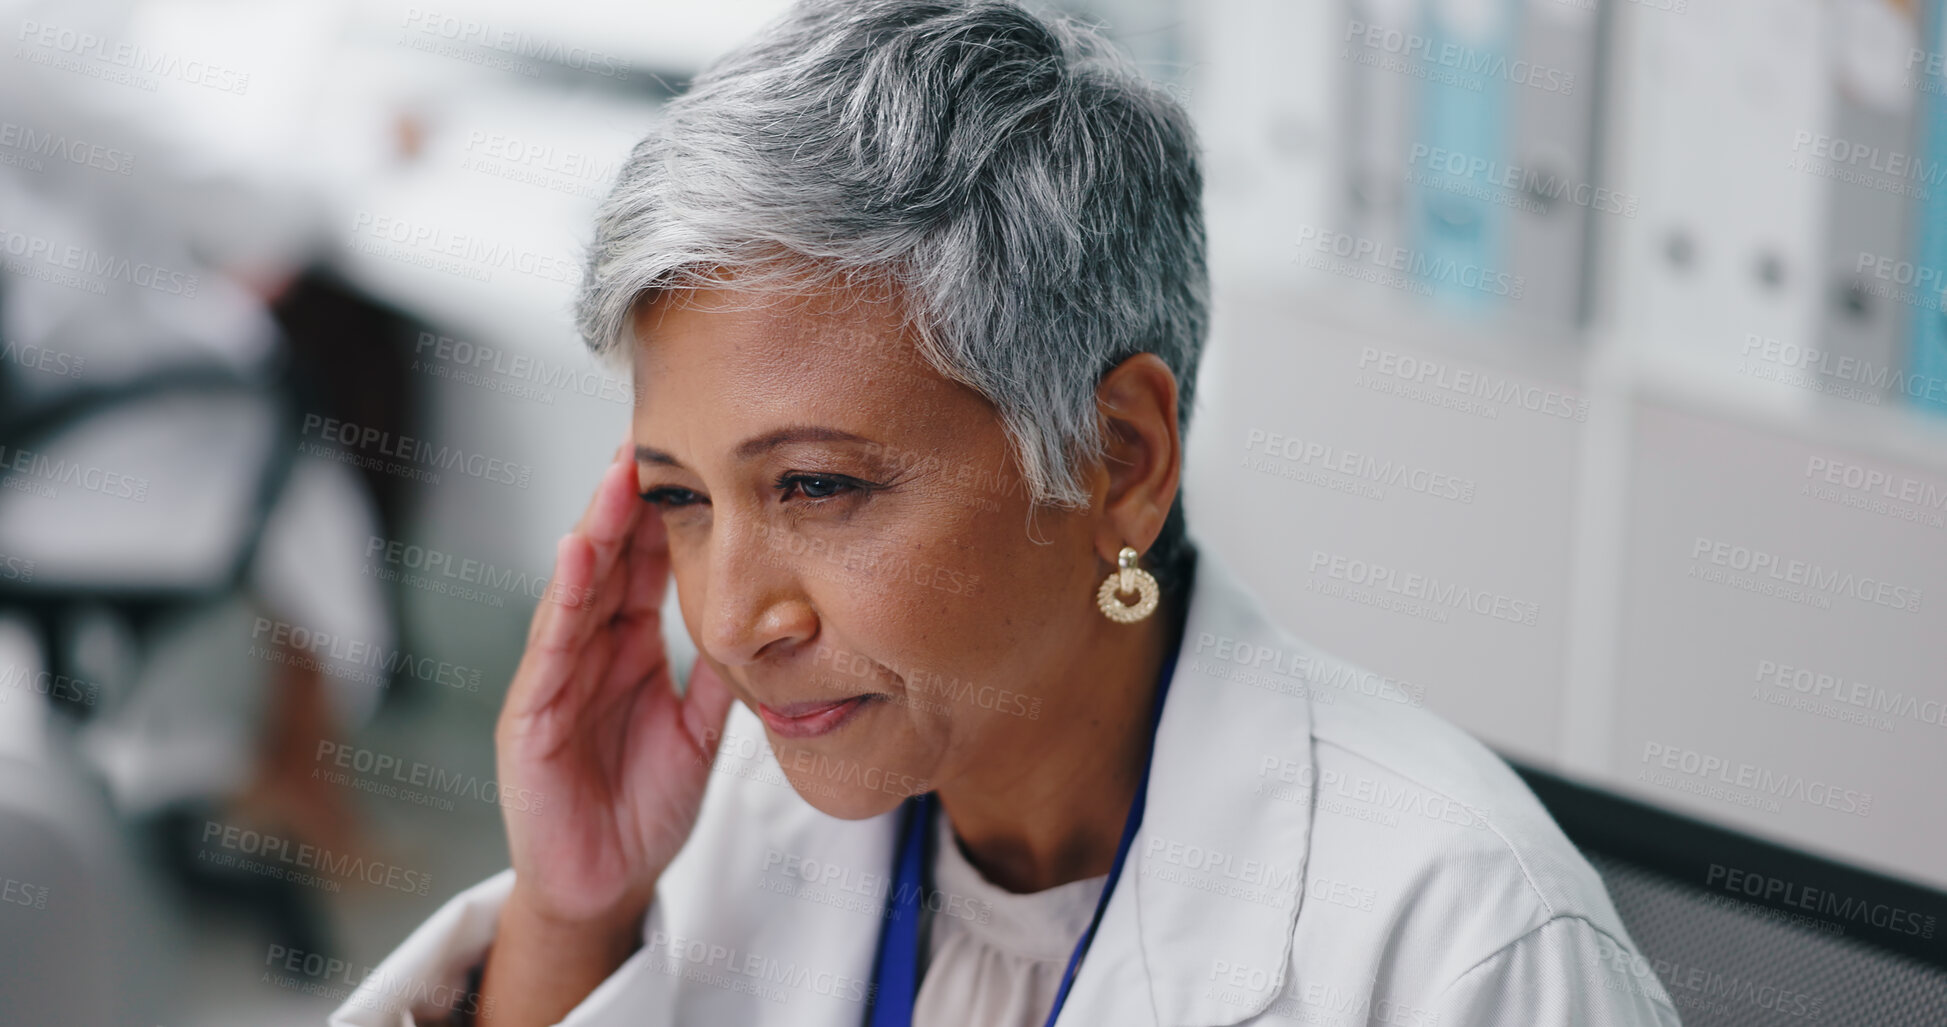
995,958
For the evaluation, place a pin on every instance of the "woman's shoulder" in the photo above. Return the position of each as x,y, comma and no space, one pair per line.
1447,802
1419,823
1393,786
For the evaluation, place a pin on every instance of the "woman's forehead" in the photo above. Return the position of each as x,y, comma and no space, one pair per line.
753,360
768,326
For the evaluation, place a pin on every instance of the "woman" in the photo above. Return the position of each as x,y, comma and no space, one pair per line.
914,294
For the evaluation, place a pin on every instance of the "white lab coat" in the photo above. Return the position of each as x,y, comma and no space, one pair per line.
1316,850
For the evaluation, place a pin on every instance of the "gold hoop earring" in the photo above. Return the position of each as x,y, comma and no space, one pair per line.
1126,579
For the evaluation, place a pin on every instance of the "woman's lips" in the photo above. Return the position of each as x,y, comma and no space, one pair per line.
809,719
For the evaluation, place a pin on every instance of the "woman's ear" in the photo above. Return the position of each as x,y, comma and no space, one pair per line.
1142,453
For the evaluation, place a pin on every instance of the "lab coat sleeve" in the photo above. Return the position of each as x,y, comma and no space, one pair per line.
1564,972
425,979
425,976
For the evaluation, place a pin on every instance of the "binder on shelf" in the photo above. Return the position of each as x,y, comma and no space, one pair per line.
1925,383
1377,111
1729,236
1866,151
1458,233
1550,186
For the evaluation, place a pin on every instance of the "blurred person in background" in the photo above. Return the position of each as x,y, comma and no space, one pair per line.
162,322
914,295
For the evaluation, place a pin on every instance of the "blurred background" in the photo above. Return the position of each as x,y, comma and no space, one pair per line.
1579,365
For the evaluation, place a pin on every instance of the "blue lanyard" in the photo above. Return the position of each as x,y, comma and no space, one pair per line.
895,973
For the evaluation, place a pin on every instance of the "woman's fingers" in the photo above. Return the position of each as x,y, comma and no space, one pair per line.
608,533
647,569
553,650
583,593
622,455
611,517
563,593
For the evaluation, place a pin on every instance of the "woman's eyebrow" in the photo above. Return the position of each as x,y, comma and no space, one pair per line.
760,444
648,455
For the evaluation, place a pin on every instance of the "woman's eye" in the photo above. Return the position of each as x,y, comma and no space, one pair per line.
670,497
813,486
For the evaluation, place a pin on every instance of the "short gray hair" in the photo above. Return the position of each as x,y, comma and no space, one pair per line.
1033,199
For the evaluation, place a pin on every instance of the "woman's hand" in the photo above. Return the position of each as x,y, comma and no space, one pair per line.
615,761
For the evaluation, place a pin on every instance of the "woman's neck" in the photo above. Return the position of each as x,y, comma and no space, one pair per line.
1049,807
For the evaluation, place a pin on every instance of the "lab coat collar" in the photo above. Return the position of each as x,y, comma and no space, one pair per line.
1219,863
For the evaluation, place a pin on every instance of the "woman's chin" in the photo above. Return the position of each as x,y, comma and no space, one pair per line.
839,785
847,803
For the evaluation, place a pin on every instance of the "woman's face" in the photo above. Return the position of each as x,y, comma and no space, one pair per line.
846,526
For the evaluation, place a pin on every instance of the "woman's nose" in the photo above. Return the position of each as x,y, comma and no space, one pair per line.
754,606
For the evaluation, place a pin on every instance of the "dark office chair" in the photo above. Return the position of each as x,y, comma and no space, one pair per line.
1742,931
